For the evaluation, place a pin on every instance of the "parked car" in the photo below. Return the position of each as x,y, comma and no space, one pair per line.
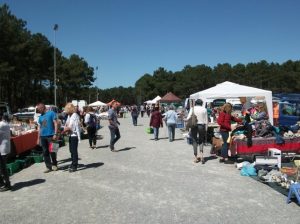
25,113
289,112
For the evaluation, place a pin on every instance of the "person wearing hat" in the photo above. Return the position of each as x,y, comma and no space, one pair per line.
199,132
156,121
4,150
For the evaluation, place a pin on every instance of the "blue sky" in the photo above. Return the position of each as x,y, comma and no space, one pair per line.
129,38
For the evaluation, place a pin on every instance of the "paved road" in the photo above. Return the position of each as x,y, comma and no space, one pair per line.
147,181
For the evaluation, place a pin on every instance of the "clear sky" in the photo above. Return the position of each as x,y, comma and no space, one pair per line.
129,38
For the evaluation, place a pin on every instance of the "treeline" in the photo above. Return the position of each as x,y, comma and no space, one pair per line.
26,73
276,77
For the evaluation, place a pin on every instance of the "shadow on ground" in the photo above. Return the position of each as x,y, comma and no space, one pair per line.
65,161
102,146
125,149
20,185
82,166
210,158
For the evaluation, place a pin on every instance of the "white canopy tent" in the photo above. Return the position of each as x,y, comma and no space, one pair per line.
227,90
97,104
154,101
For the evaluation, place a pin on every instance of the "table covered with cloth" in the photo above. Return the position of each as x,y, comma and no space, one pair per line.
261,145
25,142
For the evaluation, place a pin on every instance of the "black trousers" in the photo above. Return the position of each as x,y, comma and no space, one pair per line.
49,157
92,135
4,178
73,147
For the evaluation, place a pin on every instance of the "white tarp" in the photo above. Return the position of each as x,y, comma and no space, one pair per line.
227,90
97,104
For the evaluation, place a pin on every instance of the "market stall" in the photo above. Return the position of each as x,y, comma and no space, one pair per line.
227,90
261,146
24,142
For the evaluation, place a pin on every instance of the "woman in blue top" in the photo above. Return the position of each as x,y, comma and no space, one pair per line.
170,118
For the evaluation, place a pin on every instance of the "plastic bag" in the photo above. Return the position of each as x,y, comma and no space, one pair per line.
248,170
53,147
149,130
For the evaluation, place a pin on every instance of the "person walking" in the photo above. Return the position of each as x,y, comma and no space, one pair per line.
47,128
156,121
134,115
113,126
142,109
275,113
224,120
72,128
198,132
4,150
170,118
90,121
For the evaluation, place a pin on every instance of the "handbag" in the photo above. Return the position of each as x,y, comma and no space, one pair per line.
192,121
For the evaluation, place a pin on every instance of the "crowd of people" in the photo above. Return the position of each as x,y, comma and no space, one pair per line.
72,121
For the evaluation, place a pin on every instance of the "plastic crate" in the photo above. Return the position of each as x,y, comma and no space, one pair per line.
36,158
24,162
13,167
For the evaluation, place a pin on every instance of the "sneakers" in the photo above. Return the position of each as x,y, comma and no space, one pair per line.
5,188
94,146
72,169
54,168
197,160
221,160
47,170
112,148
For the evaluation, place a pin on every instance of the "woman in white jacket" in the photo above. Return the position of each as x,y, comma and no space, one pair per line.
72,128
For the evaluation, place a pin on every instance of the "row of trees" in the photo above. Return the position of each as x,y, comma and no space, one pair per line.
26,73
276,77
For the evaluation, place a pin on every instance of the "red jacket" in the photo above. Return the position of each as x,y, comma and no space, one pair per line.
156,119
224,120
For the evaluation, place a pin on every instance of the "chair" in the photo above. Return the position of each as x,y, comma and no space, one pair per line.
294,188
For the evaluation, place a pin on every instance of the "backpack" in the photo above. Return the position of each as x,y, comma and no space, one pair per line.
92,121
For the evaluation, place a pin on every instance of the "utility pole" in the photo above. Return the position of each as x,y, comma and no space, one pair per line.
96,82
55,28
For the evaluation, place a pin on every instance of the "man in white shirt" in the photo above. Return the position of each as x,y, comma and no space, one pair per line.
198,132
4,150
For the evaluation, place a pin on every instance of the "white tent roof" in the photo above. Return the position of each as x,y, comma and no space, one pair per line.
154,101
232,90
97,104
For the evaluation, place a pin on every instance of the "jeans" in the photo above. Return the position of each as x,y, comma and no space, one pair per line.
92,135
224,149
134,120
171,131
73,147
114,135
4,178
48,156
198,135
156,132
